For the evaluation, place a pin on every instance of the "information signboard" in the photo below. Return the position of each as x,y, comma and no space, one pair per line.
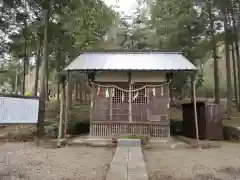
19,110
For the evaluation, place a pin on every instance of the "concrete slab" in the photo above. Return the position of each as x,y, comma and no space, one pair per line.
137,177
118,167
128,162
129,142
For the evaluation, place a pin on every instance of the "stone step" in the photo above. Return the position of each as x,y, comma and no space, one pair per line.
129,142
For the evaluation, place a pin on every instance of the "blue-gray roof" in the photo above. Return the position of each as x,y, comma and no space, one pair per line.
133,61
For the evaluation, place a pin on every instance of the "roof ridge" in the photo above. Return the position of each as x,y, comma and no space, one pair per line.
133,51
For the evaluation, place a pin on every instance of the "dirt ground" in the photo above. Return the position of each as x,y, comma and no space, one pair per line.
27,162
192,164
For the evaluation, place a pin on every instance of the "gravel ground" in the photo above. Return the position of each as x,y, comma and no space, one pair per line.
27,162
192,164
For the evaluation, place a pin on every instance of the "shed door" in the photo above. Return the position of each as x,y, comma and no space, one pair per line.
214,125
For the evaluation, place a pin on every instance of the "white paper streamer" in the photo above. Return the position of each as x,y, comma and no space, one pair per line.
107,93
98,90
112,92
122,97
161,93
135,96
154,91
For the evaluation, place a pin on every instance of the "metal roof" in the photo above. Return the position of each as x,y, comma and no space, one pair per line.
133,61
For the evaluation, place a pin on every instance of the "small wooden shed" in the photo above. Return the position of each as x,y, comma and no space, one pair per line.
130,90
209,121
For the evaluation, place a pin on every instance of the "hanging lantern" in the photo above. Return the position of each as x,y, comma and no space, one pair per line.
98,91
154,91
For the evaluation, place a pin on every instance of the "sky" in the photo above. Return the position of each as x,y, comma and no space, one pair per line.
125,6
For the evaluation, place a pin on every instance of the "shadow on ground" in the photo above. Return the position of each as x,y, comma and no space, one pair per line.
229,133
222,174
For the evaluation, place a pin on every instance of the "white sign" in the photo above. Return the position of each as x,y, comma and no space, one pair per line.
15,110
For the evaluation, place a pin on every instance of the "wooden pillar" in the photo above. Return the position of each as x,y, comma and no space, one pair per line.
80,92
67,107
169,79
92,90
110,103
130,97
194,101
70,89
76,91
91,78
62,109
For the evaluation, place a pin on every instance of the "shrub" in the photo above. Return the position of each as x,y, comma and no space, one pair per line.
51,130
74,128
78,127
176,127
230,133
21,134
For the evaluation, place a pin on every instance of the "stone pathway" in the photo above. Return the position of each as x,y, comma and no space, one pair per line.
128,162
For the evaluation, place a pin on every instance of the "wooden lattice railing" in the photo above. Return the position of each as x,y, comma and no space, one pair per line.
153,130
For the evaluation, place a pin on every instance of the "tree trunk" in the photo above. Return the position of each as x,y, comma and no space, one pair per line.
43,77
58,66
214,55
62,110
46,81
25,62
235,75
58,90
236,40
37,66
228,64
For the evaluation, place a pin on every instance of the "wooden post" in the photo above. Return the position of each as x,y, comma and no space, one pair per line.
68,97
110,104
130,97
70,90
91,78
169,79
80,92
62,109
194,101
76,91
92,90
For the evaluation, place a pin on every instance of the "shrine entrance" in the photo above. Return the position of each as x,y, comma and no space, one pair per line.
139,104
140,109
